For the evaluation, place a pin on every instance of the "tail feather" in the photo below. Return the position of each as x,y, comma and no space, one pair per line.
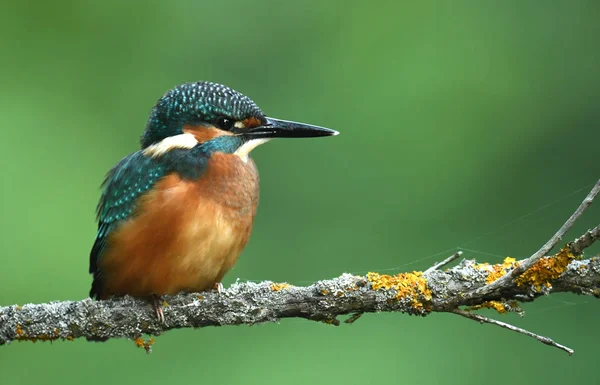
97,286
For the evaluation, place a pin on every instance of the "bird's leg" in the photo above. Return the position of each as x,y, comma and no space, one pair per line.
157,309
218,286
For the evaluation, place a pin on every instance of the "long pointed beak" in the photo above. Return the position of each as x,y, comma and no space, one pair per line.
277,128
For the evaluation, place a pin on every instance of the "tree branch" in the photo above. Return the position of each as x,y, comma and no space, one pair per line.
418,293
251,303
529,262
443,263
542,339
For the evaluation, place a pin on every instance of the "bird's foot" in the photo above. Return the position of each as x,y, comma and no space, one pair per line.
218,287
158,310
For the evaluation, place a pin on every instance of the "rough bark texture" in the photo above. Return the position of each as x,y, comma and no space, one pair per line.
475,285
251,303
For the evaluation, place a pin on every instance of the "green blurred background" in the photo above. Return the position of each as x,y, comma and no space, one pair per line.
464,123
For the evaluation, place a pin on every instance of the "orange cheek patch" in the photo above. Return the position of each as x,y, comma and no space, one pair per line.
251,122
204,133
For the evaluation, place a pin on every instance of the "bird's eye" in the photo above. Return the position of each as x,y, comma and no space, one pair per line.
224,123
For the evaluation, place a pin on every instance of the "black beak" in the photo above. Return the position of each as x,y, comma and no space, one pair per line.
276,128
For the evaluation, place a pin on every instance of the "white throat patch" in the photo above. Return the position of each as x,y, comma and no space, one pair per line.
167,144
250,145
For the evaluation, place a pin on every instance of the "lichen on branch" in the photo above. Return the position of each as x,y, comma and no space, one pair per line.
461,290
251,303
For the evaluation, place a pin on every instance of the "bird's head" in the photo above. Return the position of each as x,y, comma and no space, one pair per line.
196,113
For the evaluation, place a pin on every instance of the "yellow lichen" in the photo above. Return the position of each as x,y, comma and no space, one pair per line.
279,286
146,344
498,306
509,263
324,292
406,285
200,297
139,342
546,270
22,336
70,338
45,337
498,270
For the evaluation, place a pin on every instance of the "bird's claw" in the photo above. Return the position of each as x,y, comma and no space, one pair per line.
218,287
158,310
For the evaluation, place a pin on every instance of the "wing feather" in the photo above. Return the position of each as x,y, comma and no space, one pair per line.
123,186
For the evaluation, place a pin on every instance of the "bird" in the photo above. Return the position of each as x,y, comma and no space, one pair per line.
175,215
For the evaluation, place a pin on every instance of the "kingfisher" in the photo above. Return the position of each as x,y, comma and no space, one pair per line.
174,216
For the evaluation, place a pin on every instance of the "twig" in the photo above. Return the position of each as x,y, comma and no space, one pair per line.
527,263
251,303
353,318
585,241
444,262
542,339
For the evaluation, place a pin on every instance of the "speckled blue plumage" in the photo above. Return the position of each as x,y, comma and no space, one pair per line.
195,103
200,103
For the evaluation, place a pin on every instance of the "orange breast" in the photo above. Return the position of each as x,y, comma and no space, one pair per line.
186,234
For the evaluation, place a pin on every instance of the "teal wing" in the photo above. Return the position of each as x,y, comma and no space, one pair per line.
133,176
